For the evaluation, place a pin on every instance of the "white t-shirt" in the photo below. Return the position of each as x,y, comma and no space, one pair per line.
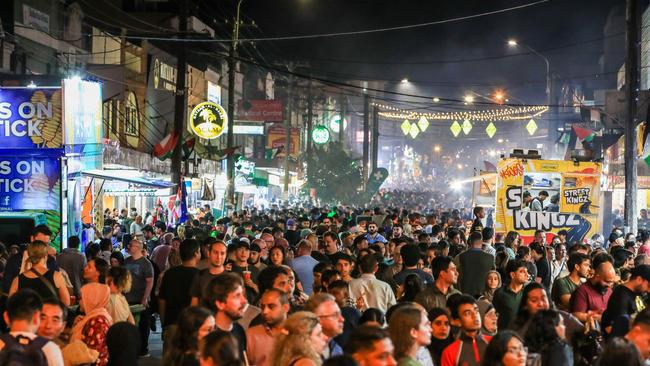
50,349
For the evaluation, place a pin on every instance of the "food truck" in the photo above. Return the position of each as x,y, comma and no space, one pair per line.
573,202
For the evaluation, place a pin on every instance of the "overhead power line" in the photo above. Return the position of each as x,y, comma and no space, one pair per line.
348,33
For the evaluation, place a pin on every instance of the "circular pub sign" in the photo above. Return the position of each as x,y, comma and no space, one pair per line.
320,135
208,120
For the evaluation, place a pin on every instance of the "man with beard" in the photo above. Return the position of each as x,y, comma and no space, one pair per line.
261,338
256,250
373,236
590,299
563,288
217,258
626,301
398,233
227,298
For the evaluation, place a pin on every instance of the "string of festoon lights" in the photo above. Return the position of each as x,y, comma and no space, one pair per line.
490,115
502,114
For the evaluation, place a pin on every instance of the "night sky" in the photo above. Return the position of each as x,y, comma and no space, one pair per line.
431,57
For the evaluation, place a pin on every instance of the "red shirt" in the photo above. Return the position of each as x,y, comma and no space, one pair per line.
588,298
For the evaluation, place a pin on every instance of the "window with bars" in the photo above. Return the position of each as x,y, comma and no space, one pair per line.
131,116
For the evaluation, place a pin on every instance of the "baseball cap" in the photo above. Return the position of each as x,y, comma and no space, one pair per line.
242,244
291,222
255,248
304,233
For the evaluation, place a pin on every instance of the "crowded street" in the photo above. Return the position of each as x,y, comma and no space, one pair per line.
324,183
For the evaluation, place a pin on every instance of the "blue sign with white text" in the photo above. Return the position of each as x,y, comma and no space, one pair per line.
31,118
30,183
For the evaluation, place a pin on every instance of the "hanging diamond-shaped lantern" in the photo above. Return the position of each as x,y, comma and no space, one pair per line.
491,129
531,127
423,123
467,126
414,130
406,127
455,128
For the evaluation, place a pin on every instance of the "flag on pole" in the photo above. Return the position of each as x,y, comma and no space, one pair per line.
270,154
179,213
188,147
165,148
223,153
584,134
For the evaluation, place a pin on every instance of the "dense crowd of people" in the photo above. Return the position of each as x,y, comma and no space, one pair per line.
327,286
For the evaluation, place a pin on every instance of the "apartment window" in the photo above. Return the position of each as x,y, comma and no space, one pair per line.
131,116
111,111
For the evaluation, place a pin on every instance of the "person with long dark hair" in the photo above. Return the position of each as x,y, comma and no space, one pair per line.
546,336
410,288
620,351
219,349
533,299
505,349
194,323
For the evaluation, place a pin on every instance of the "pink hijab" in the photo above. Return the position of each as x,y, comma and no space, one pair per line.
94,299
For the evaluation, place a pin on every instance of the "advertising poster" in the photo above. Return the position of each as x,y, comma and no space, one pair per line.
275,138
572,203
30,118
82,111
32,184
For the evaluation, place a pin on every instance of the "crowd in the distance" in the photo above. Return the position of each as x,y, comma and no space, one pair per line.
331,286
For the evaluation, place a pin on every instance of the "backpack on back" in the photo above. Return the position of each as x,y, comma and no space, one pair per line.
21,351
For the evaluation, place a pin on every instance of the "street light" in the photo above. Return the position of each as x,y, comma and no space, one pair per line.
469,99
513,43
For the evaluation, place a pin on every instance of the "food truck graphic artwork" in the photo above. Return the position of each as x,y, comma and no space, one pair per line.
572,203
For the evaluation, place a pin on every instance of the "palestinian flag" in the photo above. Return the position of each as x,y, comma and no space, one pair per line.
165,148
584,134
271,154
188,147
223,153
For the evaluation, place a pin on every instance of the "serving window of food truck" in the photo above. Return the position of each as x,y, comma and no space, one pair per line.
549,195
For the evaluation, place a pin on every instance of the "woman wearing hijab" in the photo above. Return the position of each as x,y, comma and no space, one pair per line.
440,333
492,283
93,326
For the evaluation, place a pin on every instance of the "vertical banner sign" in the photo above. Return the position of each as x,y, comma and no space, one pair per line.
572,205
30,118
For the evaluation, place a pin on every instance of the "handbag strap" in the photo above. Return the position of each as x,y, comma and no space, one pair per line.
45,281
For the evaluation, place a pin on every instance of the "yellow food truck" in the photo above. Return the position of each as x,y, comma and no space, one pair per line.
572,202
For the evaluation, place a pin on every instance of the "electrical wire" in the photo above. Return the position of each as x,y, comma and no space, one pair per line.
339,34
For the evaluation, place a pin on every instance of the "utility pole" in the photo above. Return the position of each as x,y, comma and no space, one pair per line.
287,133
631,91
375,137
230,133
366,136
342,121
180,102
310,121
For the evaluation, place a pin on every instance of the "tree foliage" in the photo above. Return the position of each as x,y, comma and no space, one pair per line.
334,174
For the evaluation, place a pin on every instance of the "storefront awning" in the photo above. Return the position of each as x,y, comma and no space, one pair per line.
127,176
